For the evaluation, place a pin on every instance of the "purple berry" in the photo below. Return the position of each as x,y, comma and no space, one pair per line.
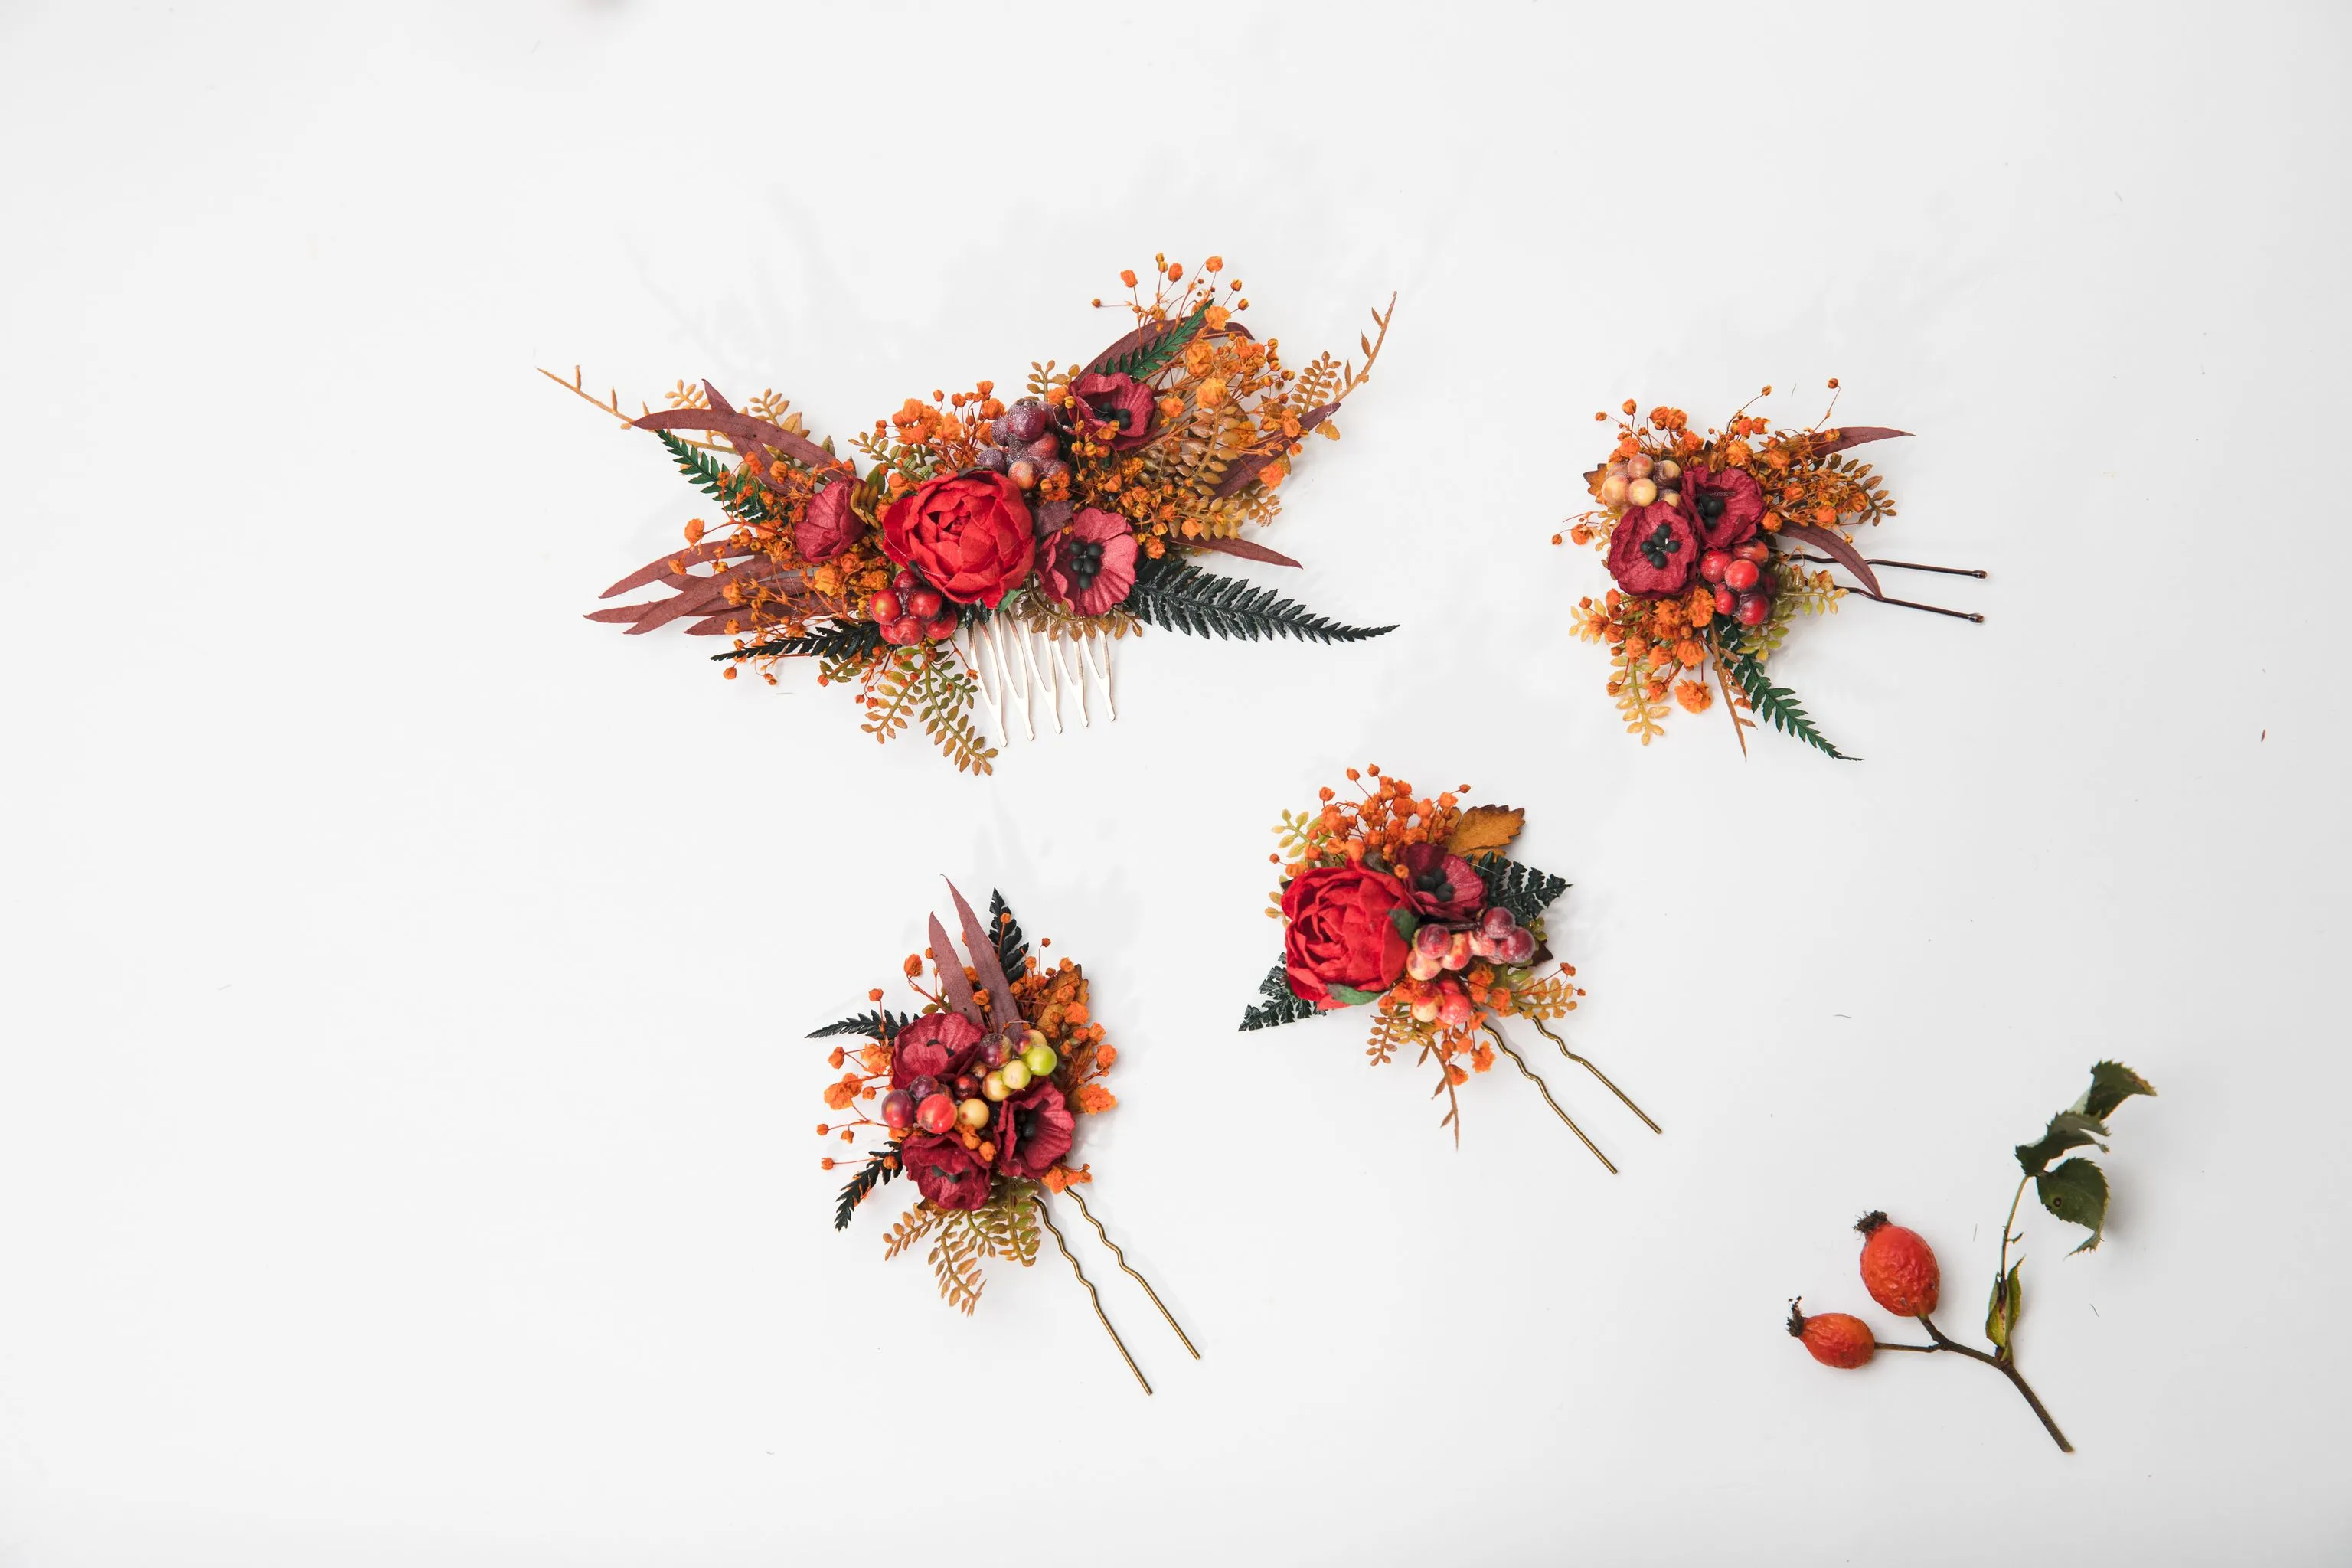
1026,420
922,1089
1044,448
992,459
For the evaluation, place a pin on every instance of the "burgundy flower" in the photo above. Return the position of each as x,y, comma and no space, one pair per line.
945,1172
1116,399
1340,933
1090,566
937,1045
828,527
1653,553
1443,887
1033,1128
968,535
1727,506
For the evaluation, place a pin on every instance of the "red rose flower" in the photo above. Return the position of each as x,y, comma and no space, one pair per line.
828,527
967,534
1090,566
1033,1128
937,1045
1727,506
1340,932
1116,399
945,1172
1653,553
1443,887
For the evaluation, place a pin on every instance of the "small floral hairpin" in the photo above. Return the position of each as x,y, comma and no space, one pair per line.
980,1098
1407,905
986,551
1708,537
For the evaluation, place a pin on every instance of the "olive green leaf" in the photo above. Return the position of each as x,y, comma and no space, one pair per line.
2000,1313
2067,1129
2112,1083
2076,1192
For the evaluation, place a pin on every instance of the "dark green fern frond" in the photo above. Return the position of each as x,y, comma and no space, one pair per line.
704,474
1012,945
870,1176
875,1024
1776,705
1182,598
842,639
1282,1005
1520,889
1149,358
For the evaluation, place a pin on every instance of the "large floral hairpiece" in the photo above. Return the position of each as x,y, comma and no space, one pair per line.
979,1099
1708,537
977,549
1407,905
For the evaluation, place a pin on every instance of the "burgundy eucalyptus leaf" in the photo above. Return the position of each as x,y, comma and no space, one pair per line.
1829,543
692,555
952,979
739,429
982,945
1238,477
1244,548
1825,442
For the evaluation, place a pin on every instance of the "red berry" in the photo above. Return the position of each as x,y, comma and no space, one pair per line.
905,631
923,603
1714,563
884,607
1835,1339
906,581
897,1109
966,1086
1741,575
1755,550
1753,609
940,627
936,1114
1725,600
1898,1268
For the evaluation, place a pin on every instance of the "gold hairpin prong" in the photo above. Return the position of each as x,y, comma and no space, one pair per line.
1044,1214
1079,1198
1596,1072
1529,1074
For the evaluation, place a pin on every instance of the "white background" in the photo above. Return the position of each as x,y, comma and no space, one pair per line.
405,1134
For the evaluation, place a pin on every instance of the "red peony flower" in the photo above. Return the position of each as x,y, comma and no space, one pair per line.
945,1172
937,1045
1727,506
1116,399
968,535
1340,942
1090,566
1654,553
1033,1128
1443,887
828,527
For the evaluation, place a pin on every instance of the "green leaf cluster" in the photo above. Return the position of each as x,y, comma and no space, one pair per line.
2076,1190
1146,359
875,1173
842,640
877,1025
1012,945
1282,1005
1183,598
1775,705
740,499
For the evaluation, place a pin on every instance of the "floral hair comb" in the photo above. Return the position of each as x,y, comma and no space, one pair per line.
1408,905
979,1099
1708,539
996,550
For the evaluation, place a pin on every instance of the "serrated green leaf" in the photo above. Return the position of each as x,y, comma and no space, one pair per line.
2068,1129
1405,921
2112,1083
2076,1192
1182,598
1282,1005
2000,1314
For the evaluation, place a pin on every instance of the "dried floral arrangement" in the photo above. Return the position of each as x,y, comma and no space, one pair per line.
976,549
979,1098
1899,1269
1709,539
1406,904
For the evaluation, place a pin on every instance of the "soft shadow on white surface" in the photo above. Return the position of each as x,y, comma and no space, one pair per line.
405,1133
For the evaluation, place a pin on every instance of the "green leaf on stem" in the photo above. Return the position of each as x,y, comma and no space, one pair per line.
2000,1313
2076,1192
2068,1129
1350,995
2112,1083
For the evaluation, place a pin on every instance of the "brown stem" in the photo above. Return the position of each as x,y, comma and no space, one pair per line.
1932,609
1091,1294
2007,1369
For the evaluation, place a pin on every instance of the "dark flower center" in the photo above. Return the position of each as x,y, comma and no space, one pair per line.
1661,542
1711,504
1028,1120
1434,880
1082,564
